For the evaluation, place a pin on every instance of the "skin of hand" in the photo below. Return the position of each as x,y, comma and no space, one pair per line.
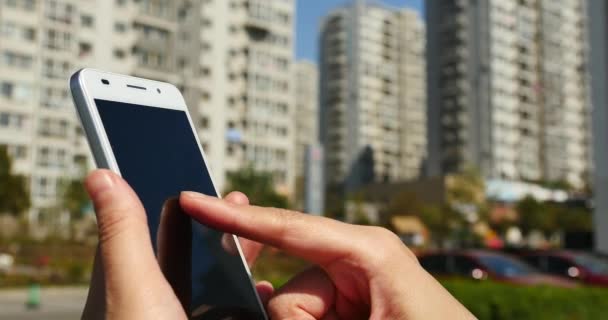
358,272
127,282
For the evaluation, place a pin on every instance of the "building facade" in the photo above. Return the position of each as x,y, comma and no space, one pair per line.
232,59
306,120
598,29
247,87
373,121
508,89
42,43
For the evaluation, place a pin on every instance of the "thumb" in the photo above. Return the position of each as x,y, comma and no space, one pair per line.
124,240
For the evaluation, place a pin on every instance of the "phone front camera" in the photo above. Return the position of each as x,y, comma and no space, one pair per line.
105,81
158,90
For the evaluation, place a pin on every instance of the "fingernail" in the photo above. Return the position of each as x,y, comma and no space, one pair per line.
101,182
195,195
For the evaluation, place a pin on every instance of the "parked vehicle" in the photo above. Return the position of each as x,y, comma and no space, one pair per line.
581,266
482,265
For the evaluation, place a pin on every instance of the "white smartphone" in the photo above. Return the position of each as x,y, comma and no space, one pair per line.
141,129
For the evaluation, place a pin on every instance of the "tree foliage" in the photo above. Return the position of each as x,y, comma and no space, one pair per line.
551,217
533,216
258,186
334,201
466,187
14,192
440,220
74,197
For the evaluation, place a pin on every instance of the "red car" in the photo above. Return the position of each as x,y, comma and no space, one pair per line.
581,266
481,265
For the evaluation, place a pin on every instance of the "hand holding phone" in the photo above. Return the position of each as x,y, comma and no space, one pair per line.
133,286
357,272
141,130
153,263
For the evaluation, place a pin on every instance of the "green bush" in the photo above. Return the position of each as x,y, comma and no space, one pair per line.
487,300
495,301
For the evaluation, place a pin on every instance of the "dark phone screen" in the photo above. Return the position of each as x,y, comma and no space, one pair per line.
158,155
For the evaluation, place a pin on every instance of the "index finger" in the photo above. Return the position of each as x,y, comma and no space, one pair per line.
316,239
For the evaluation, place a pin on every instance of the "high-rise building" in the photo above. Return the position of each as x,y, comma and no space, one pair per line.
306,119
412,91
373,96
243,99
232,59
42,43
598,28
508,89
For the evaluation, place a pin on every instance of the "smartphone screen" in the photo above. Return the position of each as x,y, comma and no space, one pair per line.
158,155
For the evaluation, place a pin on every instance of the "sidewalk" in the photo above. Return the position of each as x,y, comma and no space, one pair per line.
56,303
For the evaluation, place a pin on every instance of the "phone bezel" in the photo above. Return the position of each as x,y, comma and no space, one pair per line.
87,86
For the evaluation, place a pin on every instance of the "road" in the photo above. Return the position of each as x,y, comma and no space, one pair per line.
56,304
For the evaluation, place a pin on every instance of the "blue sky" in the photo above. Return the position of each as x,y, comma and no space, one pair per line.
309,16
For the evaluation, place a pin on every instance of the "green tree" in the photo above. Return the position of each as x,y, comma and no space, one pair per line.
466,187
14,193
552,217
440,220
258,186
466,205
334,202
572,219
534,215
558,184
359,216
74,197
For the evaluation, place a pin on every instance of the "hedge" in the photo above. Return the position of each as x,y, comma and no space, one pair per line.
495,301
487,300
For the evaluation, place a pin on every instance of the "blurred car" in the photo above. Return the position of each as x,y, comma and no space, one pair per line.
584,267
482,265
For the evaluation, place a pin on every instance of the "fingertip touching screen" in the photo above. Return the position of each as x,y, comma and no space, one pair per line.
158,155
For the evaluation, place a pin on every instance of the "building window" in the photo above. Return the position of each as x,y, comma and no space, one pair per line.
13,59
84,49
119,54
29,34
7,89
120,27
204,123
182,63
58,40
87,21
27,5
5,120
17,152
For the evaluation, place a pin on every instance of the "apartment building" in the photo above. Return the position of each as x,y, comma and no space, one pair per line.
508,89
306,118
412,91
232,59
42,43
598,26
373,96
246,86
